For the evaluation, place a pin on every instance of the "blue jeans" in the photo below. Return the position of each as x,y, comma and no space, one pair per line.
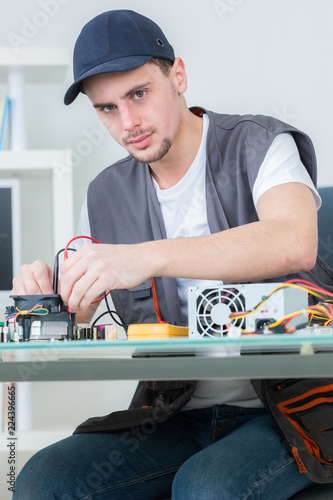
224,452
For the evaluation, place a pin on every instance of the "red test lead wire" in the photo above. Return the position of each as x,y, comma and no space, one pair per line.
77,238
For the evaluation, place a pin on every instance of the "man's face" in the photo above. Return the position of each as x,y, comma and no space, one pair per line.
141,109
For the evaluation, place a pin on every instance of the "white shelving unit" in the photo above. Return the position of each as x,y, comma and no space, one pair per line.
38,65
58,164
35,65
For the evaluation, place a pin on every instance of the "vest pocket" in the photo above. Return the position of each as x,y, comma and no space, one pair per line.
311,415
136,304
142,291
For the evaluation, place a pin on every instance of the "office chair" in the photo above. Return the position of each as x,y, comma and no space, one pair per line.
325,251
325,225
315,492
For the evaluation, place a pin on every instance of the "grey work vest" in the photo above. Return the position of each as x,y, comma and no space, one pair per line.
123,207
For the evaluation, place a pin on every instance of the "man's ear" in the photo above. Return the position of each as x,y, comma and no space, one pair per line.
179,76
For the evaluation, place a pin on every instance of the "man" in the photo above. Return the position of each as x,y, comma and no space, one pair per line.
202,196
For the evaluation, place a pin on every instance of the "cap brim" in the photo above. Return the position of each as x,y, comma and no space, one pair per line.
123,64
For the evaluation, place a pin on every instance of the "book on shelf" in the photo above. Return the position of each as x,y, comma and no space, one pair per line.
4,121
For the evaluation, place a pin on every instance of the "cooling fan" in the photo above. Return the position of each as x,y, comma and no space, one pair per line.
213,308
209,309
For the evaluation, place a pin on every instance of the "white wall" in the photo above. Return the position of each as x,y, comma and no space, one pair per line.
242,56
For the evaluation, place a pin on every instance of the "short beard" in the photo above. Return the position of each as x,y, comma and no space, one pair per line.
164,149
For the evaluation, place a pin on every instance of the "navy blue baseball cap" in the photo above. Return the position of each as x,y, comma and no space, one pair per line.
117,40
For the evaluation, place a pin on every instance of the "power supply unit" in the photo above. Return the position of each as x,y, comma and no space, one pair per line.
209,309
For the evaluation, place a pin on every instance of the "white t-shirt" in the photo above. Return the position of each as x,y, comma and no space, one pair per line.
187,199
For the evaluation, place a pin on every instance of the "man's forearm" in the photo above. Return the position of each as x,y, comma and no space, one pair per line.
251,252
283,241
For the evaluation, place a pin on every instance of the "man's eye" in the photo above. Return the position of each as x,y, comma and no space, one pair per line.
139,94
107,109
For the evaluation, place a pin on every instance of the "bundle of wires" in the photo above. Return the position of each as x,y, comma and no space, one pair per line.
36,310
320,314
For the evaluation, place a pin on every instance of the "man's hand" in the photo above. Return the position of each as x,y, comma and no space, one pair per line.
33,279
37,279
94,269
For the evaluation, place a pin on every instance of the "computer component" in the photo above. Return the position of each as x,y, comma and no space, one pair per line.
39,317
209,309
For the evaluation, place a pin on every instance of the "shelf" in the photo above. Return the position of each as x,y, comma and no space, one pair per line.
35,159
58,164
19,68
41,64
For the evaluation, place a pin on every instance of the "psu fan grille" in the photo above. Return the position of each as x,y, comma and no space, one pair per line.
213,308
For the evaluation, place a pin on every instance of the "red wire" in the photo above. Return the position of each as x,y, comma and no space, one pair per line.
77,238
311,286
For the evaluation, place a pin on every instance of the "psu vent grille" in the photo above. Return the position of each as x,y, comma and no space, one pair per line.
213,308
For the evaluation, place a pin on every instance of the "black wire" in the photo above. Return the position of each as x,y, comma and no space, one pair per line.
56,269
122,322
113,318
99,317
111,313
